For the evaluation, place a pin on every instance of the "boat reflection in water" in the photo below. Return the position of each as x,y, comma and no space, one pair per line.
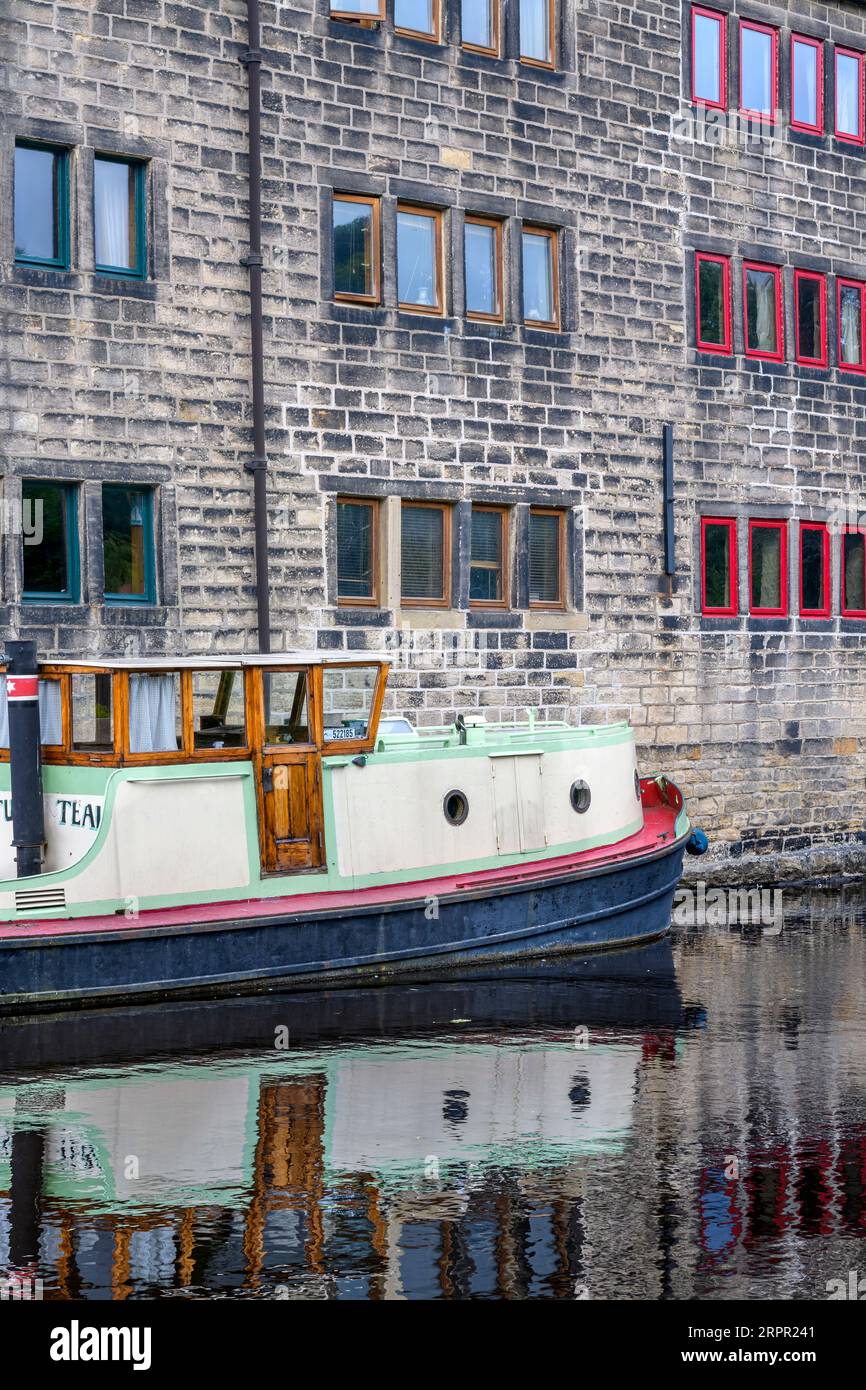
445,1140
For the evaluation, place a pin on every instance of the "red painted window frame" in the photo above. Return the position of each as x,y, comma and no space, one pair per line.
725,262
769,524
849,531
822,280
861,60
860,368
778,356
733,607
774,103
826,610
818,44
722,19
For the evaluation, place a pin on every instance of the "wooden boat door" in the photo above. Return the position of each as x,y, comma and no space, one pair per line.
290,801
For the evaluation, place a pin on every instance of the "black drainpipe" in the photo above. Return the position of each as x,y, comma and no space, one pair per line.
258,464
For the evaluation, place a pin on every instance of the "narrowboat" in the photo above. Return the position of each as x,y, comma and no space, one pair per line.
224,825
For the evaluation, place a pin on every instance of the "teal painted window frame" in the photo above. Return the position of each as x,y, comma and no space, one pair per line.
139,270
61,261
148,598
72,594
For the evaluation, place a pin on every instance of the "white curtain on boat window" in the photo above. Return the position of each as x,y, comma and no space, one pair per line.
534,30
50,720
50,724
152,714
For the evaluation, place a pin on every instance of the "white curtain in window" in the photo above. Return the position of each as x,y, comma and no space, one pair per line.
534,30
152,714
806,93
850,326
50,723
847,95
765,293
111,200
770,586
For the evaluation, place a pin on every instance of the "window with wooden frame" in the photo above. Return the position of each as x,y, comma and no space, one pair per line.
119,216
709,58
218,709
172,716
810,318
762,311
759,70
41,205
719,596
419,19
540,273
425,555
482,268
807,84
547,586
351,703
358,551
356,231
538,32
155,718
419,259
51,734
849,95
358,11
129,563
287,707
814,570
488,555
480,23
49,535
768,568
853,573
91,705
851,324
712,302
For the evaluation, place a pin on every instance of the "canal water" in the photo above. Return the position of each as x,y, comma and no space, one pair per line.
687,1120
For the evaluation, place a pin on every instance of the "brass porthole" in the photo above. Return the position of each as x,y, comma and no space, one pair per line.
455,804
580,796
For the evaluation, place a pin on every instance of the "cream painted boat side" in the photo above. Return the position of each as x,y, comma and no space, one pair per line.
165,837
389,816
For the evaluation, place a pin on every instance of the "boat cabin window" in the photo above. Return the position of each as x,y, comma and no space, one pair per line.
92,714
286,707
347,702
155,719
218,709
50,714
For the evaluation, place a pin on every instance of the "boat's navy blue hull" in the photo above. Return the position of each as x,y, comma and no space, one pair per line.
608,906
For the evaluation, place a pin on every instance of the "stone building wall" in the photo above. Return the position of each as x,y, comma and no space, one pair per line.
759,719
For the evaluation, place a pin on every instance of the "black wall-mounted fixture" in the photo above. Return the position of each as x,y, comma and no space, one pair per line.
668,485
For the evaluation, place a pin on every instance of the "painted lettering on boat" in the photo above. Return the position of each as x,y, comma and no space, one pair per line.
87,814
67,810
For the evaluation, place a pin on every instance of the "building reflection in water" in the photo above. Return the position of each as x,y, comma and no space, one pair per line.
709,1141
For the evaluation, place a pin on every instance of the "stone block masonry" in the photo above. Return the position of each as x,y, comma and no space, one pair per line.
759,719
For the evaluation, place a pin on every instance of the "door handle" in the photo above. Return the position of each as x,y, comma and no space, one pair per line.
267,779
